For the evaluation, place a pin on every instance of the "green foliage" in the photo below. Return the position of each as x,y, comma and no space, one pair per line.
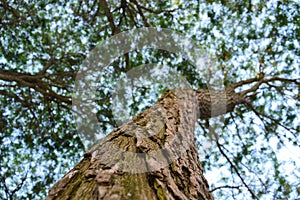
48,40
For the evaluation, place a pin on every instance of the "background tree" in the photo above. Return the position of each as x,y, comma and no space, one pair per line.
43,44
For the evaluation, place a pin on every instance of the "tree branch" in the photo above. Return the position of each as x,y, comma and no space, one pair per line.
141,12
115,29
35,82
232,165
225,186
157,11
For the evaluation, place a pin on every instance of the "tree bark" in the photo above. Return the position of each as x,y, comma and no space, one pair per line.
152,156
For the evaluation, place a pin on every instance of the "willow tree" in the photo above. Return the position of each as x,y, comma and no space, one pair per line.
255,48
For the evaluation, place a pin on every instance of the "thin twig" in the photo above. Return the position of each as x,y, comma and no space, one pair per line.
233,166
225,186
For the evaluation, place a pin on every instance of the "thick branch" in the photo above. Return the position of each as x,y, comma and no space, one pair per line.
35,82
261,80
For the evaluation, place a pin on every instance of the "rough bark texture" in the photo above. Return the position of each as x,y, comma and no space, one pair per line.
152,156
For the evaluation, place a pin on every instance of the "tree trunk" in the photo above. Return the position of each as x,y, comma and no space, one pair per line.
152,156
